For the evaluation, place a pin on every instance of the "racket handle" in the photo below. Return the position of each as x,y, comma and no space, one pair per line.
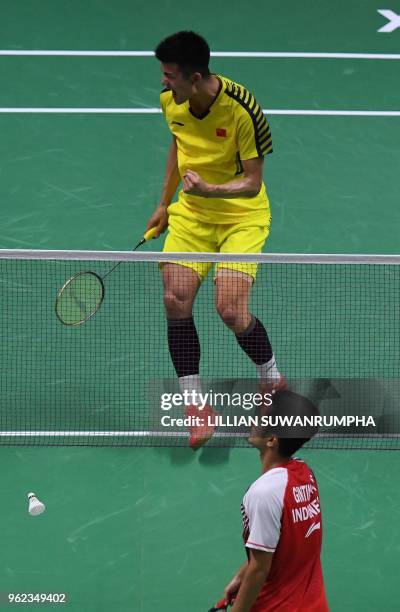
150,234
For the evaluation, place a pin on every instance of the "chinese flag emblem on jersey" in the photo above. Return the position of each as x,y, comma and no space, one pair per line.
221,132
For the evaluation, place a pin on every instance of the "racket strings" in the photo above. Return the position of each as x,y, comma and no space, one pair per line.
80,298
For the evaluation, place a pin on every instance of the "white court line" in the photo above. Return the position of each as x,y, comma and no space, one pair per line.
130,111
255,54
147,111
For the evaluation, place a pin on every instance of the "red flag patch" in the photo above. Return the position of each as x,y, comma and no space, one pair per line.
221,132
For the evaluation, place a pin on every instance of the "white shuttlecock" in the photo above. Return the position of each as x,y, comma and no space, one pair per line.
36,507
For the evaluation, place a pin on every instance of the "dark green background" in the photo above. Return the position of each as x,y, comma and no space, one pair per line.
149,529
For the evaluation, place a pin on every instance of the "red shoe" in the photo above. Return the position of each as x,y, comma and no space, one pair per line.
201,431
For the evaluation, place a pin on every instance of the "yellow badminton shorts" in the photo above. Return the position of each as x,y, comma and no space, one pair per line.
188,235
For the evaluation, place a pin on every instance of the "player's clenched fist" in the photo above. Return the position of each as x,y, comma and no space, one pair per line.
194,184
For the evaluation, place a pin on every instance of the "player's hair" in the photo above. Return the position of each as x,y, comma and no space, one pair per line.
289,404
186,49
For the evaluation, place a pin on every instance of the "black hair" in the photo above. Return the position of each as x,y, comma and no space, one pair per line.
186,49
291,438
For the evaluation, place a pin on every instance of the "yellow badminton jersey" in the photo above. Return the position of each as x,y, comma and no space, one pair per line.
233,130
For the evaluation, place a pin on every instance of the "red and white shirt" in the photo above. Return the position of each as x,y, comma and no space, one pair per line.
282,515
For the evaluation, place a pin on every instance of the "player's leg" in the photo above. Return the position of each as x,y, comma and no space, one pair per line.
233,287
232,303
180,288
181,283
232,298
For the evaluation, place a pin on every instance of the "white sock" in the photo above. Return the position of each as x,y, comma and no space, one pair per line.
268,372
191,387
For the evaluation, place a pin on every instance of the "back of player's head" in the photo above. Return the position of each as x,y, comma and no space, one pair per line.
186,49
291,432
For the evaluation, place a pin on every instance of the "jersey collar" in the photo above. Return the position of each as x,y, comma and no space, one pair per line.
207,111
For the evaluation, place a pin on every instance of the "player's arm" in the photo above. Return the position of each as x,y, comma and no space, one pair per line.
255,575
172,179
253,142
172,176
246,186
233,586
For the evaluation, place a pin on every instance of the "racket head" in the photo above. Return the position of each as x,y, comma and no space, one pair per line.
79,298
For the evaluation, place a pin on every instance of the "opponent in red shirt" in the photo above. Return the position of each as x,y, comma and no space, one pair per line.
282,521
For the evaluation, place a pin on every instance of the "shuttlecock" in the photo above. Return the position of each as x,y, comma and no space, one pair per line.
35,506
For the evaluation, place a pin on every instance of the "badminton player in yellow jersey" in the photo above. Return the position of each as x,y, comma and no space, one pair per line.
219,139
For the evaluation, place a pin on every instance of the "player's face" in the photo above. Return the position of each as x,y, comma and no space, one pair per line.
262,442
256,440
181,87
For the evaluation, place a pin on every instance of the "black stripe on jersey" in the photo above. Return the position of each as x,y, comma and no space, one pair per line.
266,139
263,124
266,145
252,104
259,121
263,129
264,133
239,165
267,149
259,114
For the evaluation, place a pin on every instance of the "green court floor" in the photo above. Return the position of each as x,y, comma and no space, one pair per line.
143,529
149,529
